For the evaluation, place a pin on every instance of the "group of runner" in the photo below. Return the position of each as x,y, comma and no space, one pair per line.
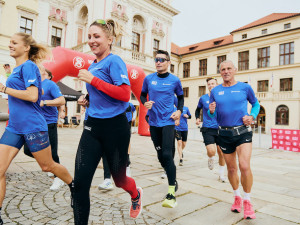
107,131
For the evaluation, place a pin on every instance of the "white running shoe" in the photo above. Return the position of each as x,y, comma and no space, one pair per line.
57,184
128,172
50,174
106,185
211,162
222,179
164,175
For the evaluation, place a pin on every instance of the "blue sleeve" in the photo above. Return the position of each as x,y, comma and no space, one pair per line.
178,88
200,105
55,91
118,71
255,109
132,107
145,85
250,95
212,99
188,112
31,73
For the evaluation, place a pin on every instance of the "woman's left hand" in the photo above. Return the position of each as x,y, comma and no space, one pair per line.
85,76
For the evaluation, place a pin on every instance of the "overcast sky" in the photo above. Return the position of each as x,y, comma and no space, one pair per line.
201,20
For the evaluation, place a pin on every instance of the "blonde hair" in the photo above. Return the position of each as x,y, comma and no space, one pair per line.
37,52
110,27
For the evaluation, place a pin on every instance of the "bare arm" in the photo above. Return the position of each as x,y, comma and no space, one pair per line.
31,94
55,102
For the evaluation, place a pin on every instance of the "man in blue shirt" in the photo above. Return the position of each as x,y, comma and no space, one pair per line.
229,102
161,87
182,132
209,130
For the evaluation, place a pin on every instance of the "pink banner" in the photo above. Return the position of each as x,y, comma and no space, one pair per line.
286,139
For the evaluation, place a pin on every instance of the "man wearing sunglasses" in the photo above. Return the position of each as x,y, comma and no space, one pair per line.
161,87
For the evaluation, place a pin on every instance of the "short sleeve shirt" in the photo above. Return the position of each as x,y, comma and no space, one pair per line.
183,126
207,121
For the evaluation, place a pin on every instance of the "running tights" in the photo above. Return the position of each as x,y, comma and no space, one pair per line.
109,137
163,140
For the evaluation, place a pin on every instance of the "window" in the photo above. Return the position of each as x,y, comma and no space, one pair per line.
262,86
155,46
244,60
287,26
219,60
186,92
203,67
264,31
286,84
286,53
244,36
202,90
282,115
172,68
186,69
26,25
56,36
263,57
135,44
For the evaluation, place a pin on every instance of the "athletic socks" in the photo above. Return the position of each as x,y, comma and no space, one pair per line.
247,196
237,192
221,170
171,190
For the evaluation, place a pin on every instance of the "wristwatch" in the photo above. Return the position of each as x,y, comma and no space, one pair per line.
45,103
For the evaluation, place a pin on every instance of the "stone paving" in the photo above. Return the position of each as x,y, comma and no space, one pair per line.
201,198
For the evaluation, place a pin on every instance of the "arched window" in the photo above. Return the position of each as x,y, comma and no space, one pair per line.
282,115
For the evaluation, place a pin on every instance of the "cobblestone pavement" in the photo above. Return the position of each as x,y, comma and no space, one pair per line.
202,199
29,201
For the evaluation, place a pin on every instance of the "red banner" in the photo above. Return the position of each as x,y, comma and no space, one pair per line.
285,139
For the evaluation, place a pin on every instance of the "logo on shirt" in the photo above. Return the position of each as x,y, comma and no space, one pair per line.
31,81
87,128
166,84
78,62
221,93
124,76
234,91
154,82
207,102
134,74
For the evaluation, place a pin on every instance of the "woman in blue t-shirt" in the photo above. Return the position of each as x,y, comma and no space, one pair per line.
106,131
26,122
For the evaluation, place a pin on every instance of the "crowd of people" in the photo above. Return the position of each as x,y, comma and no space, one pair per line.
36,103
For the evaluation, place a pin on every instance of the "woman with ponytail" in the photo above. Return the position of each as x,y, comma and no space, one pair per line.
26,122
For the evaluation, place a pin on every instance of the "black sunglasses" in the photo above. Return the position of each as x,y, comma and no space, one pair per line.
160,60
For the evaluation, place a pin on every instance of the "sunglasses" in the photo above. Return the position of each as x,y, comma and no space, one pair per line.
160,60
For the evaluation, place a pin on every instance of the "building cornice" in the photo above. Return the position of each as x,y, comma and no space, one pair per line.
164,6
20,7
237,42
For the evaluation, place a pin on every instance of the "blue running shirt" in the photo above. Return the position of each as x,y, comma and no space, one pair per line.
232,102
24,116
111,69
51,91
183,126
161,91
207,121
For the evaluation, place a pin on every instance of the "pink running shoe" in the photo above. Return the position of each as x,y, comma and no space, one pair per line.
248,210
237,205
136,207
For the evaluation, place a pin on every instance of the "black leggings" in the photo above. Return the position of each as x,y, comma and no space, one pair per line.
109,137
163,140
52,132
